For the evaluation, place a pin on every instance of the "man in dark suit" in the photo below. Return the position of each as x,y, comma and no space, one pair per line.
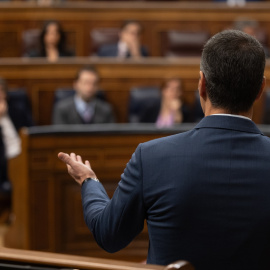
205,192
84,107
129,44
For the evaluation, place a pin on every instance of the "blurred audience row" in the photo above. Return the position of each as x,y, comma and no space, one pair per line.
115,43
50,41
85,103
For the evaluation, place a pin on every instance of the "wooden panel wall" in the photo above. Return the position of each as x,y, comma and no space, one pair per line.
79,18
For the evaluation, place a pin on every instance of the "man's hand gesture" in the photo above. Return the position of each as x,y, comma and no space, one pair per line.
76,168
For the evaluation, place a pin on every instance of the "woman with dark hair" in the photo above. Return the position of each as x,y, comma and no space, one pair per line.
170,109
52,42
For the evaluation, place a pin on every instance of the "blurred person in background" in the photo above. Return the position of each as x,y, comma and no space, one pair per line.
171,109
237,2
13,116
52,42
5,187
252,28
129,44
84,107
46,2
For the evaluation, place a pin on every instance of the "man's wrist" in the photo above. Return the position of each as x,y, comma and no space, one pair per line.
89,179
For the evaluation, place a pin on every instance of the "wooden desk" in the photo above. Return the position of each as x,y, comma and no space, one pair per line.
79,18
61,260
47,202
41,78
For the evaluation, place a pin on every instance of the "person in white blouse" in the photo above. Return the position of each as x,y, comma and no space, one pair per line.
129,44
10,140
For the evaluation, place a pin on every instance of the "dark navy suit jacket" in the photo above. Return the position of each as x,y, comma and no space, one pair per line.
111,50
205,195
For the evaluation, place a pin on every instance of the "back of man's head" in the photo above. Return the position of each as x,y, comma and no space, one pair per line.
233,65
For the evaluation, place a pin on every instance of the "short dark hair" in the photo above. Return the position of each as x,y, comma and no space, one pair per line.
233,64
86,68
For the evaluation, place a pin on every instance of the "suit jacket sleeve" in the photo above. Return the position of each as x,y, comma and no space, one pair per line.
114,223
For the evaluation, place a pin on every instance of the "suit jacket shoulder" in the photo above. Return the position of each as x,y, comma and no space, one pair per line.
103,112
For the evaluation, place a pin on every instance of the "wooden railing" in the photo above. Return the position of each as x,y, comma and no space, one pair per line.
42,259
30,259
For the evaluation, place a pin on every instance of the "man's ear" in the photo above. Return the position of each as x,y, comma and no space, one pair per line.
201,86
262,88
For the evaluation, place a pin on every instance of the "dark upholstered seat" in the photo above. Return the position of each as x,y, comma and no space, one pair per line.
139,98
183,43
102,36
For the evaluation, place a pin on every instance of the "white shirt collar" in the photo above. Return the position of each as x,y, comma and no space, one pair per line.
232,115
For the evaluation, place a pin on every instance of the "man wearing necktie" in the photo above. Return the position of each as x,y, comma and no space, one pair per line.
84,107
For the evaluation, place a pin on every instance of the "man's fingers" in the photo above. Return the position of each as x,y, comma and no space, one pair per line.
87,163
66,158
79,158
73,156
71,159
